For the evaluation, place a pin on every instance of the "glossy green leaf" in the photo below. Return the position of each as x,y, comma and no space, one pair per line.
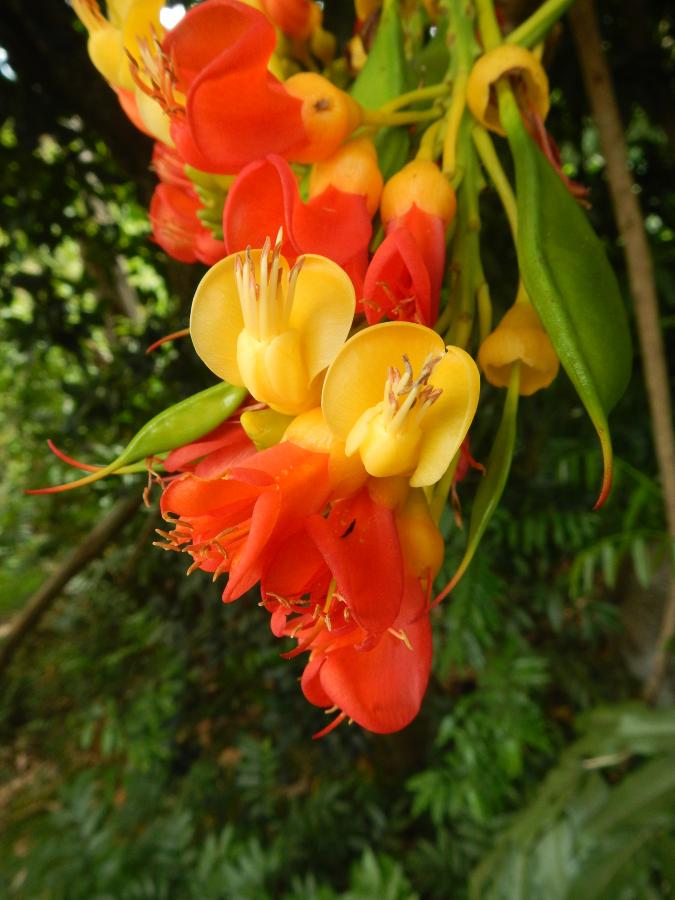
570,282
492,485
176,426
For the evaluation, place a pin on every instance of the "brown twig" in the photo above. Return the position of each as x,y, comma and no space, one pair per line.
600,90
42,599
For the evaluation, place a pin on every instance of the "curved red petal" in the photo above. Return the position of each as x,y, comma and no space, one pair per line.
311,683
428,232
381,689
360,544
333,224
249,563
397,282
217,33
261,201
173,216
229,437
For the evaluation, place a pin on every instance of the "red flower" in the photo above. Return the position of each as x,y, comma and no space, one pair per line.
177,229
404,278
174,209
265,197
344,595
226,446
235,522
236,110
397,283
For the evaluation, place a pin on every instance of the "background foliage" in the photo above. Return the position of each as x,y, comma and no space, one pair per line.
153,743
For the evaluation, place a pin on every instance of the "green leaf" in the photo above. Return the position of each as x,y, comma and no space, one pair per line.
570,282
384,75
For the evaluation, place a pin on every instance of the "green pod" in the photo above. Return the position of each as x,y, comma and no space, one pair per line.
492,484
176,426
570,283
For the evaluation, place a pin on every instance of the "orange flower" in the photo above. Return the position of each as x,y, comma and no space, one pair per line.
235,521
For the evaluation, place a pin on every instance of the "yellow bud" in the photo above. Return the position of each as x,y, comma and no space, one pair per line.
309,430
265,427
329,115
519,337
353,169
422,183
421,542
507,61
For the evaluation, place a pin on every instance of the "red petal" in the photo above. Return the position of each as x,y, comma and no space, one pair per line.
190,496
397,282
236,109
228,436
248,565
311,683
381,689
173,216
214,32
261,201
333,224
265,197
428,233
296,569
360,545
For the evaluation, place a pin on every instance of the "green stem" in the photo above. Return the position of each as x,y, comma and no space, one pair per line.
462,57
493,167
432,92
487,22
380,118
534,29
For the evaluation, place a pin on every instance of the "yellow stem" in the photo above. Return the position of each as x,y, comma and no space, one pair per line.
381,118
453,121
428,145
493,167
420,94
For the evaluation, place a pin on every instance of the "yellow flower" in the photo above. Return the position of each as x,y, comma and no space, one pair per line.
401,400
506,61
273,329
519,337
111,38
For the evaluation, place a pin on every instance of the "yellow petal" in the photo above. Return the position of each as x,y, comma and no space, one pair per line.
355,380
323,310
309,430
142,21
106,51
519,337
216,318
447,421
153,117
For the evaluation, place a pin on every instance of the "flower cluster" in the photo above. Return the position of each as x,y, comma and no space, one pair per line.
335,194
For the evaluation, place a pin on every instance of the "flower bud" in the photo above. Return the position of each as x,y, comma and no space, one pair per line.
352,169
329,115
421,542
507,61
519,337
423,184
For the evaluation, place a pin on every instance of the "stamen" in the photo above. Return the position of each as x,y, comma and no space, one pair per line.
334,724
401,636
